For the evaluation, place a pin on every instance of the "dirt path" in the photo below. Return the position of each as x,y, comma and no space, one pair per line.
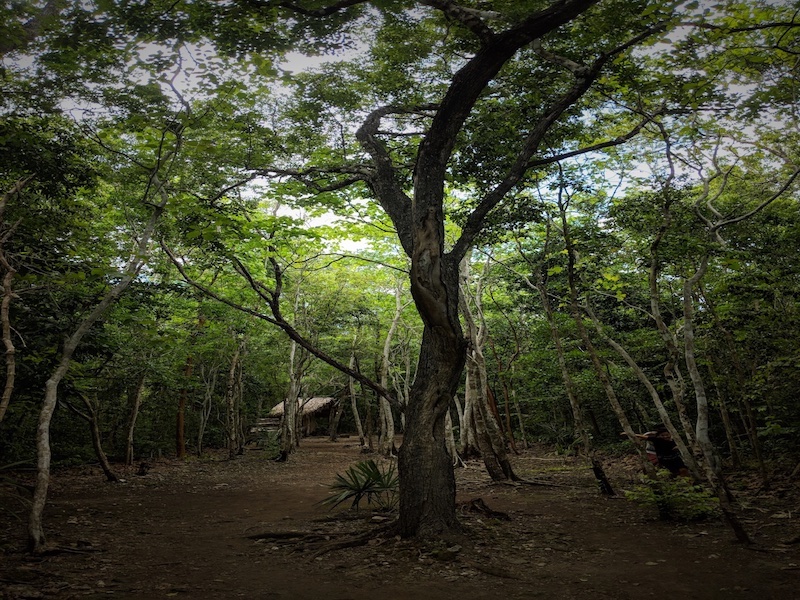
182,531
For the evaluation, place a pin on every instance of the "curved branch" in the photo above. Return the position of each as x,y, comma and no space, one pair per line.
384,183
278,320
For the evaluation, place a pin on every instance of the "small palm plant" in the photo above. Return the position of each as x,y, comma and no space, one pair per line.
366,481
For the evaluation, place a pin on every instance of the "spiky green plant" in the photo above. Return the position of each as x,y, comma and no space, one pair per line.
366,480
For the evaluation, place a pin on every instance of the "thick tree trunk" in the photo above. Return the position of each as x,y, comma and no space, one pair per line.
427,480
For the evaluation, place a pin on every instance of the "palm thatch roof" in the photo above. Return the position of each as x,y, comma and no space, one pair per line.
310,406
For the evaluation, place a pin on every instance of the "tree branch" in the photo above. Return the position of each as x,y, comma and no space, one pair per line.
276,318
384,184
584,78
471,19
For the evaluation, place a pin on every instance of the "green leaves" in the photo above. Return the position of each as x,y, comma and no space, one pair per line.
366,481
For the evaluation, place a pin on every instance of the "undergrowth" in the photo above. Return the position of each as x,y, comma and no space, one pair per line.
675,498
367,481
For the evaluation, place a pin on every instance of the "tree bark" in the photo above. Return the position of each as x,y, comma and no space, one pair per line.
136,403
36,535
386,440
354,399
90,416
210,379
8,295
180,416
230,402
427,480
487,427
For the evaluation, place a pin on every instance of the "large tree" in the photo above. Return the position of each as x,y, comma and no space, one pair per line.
445,115
441,113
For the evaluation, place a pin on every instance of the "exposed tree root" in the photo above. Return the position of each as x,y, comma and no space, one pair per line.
320,543
479,506
352,542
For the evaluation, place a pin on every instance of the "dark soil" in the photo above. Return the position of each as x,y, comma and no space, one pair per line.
253,528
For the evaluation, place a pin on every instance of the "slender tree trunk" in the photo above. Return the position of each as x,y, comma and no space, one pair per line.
11,363
354,400
730,435
136,404
8,295
97,443
711,465
230,402
701,427
336,415
749,421
386,441
520,420
488,433
180,417
210,379
36,535
654,395
289,428
672,372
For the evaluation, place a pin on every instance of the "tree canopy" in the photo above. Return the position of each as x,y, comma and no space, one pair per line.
625,172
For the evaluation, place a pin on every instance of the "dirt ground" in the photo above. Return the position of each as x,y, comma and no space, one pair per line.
192,530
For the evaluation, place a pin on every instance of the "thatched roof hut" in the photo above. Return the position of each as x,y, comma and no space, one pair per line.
309,409
308,406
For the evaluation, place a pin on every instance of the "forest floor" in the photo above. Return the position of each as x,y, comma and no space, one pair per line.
193,529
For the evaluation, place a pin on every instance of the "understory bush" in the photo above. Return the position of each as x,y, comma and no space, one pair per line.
675,498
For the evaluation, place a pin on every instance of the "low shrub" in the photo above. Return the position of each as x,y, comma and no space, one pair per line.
675,498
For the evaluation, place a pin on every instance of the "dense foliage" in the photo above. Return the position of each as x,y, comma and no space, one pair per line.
628,180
